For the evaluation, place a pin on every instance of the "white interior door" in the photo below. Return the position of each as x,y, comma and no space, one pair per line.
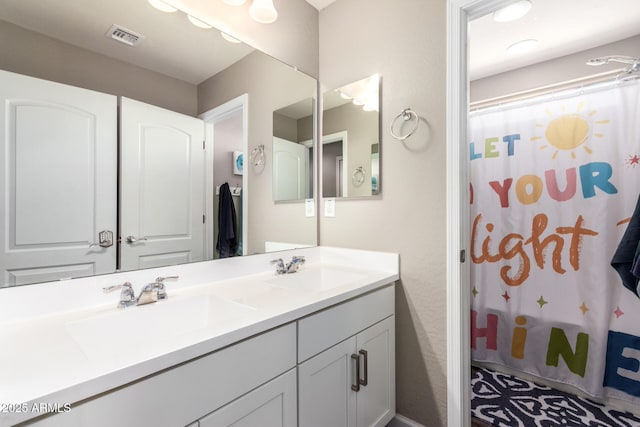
161,186
290,166
58,180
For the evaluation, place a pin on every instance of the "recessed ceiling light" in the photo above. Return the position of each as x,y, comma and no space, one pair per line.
162,6
523,46
512,12
198,23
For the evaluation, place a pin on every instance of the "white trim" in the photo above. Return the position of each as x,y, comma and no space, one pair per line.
221,112
401,421
459,13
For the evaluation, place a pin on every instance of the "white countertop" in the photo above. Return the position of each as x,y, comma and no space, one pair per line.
66,341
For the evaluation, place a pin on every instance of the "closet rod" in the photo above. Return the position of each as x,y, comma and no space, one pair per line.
515,97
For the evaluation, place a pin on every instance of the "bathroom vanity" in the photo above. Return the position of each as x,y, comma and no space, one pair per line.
233,344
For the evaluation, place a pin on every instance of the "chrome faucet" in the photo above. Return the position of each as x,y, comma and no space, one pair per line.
127,296
155,291
151,292
291,267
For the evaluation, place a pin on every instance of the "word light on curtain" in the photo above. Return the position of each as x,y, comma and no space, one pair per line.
261,11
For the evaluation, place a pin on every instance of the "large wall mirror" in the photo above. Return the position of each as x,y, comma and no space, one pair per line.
135,138
350,140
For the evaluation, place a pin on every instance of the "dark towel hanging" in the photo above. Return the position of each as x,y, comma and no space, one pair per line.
227,243
626,259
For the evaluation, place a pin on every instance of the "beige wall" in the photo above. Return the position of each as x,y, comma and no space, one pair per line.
554,71
26,52
271,85
404,41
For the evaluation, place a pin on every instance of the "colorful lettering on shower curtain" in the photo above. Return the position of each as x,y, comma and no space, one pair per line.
552,187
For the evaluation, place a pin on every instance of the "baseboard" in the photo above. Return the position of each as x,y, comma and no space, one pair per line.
400,421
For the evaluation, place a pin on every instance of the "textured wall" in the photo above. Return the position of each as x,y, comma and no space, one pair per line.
404,41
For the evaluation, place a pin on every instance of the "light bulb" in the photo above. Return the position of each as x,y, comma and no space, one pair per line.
162,6
228,38
263,11
198,23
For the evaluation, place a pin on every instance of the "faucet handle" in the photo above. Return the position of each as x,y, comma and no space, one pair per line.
159,285
127,295
280,268
298,259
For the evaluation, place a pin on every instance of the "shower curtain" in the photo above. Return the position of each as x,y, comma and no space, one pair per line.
553,183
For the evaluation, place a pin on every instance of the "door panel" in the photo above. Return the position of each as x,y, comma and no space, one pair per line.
290,166
59,180
376,400
325,397
161,187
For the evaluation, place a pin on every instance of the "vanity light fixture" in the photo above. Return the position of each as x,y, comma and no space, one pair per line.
512,12
263,11
198,23
521,47
228,38
162,6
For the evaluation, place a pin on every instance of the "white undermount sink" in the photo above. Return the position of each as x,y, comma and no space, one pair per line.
315,279
148,327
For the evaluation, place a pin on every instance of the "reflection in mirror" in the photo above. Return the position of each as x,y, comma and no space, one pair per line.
350,140
122,126
293,151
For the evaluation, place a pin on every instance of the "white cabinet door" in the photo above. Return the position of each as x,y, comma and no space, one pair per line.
271,405
325,396
57,178
376,400
161,187
290,170
327,381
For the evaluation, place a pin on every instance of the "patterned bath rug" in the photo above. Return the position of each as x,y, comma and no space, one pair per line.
506,401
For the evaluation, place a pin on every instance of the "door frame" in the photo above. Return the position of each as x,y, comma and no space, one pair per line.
459,13
211,117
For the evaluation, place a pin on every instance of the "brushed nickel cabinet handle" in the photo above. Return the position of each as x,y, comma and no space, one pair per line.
356,387
365,381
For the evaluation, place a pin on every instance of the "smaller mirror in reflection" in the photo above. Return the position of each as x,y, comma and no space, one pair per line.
350,140
293,151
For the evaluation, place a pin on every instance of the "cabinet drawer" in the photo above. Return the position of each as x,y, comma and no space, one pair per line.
180,395
330,326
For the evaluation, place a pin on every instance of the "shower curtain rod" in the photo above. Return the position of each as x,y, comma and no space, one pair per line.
517,98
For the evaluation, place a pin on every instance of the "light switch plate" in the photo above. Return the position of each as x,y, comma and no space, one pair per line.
309,208
330,207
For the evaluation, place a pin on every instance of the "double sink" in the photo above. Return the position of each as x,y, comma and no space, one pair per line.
188,315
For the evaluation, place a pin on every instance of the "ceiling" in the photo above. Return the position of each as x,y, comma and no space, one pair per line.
561,26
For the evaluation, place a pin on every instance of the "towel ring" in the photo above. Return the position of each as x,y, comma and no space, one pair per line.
358,176
257,155
406,115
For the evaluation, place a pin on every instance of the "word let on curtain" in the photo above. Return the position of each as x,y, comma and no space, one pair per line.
553,185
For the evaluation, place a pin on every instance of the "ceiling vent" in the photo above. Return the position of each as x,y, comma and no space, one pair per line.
123,35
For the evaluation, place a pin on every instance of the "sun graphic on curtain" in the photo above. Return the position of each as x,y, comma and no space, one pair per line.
568,131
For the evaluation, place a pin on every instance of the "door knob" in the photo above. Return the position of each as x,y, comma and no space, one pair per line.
131,239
